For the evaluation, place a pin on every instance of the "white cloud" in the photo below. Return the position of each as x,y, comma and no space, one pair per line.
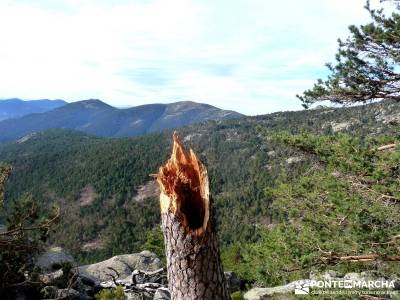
248,55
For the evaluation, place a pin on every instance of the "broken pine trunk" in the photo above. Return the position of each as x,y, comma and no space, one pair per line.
193,260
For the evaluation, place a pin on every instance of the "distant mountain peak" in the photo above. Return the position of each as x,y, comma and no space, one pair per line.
95,117
90,103
16,108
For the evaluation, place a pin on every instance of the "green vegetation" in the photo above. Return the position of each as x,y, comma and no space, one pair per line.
111,294
255,176
237,296
25,229
366,64
4,174
154,242
346,204
59,164
294,192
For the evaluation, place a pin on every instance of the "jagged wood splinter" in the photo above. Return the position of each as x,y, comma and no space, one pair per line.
193,260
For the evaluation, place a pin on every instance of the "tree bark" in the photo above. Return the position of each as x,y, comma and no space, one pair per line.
193,259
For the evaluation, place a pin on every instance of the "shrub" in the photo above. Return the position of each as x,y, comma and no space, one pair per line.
112,294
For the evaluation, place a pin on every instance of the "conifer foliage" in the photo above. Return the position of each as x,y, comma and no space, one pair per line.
21,238
367,63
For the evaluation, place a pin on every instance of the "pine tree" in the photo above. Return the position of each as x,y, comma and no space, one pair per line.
20,240
367,64
4,174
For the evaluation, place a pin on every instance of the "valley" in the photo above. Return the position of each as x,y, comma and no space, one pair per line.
109,206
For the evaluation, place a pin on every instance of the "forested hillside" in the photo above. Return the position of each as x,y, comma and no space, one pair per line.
266,173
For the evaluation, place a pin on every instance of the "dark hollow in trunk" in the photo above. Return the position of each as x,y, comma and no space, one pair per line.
193,259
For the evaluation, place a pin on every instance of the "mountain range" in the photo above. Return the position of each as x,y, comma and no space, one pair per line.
281,183
100,119
16,108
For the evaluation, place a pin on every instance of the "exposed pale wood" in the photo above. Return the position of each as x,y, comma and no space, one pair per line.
365,258
188,224
386,147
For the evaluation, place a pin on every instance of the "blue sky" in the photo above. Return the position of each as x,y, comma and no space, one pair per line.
252,56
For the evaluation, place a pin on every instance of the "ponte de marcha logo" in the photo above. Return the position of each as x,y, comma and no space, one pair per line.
344,286
302,287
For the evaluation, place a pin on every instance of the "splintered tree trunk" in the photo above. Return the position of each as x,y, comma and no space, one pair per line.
193,260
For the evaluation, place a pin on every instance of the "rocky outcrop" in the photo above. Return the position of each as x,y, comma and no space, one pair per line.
294,159
233,282
69,294
146,191
268,293
51,278
139,274
340,126
162,294
121,266
288,291
53,259
141,284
